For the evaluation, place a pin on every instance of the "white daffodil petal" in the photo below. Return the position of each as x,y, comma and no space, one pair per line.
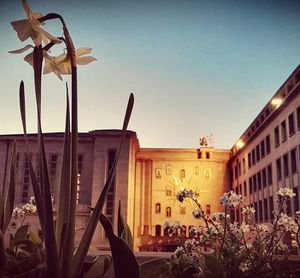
85,60
37,15
23,28
58,74
21,50
26,7
82,51
48,35
29,58
47,68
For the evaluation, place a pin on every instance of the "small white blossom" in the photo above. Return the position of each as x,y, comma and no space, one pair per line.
248,210
263,228
231,199
286,192
198,213
245,227
287,223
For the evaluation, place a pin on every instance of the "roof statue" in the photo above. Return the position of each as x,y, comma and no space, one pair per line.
207,141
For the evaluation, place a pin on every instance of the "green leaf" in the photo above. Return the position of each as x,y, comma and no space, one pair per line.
10,194
121,223
127,236
92,224
35,238
152,268
123,258
98,267
21,233
124,231
64,193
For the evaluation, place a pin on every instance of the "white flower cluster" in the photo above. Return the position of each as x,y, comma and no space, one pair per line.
172,227
231,199
198,213
286,192
245,228
28,208
263,228
184,193
245,266
248,210
287,223
219,216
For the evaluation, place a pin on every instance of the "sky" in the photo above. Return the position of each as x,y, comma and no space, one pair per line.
194,67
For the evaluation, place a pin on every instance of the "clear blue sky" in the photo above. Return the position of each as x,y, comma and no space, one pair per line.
194,67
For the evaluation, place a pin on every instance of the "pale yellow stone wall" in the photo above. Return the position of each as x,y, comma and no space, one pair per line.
159,176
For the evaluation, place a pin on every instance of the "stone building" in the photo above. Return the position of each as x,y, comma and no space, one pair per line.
264,158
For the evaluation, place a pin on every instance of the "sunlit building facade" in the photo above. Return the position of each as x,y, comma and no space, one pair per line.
264,158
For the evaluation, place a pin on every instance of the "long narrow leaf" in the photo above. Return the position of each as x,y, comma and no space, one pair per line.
10,194
35,186
64,193
92,224
49,233
123,258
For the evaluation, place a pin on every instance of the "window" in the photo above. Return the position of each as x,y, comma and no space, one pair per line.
271,208
168,191
257,153
207,209
286,165
283,131
250,185
79,165
266,212
278,169
207,155
268,144
259,180
291,124
239,168
298,117
256,211
262,149
260,211
245,188
207,173
168,212
26,179
264,177
253,156
293,161
182,173
254,183
249,160
168,170
296,201
157,230
182,209
110,199
270,176
157,208
244,165
276,136
158,173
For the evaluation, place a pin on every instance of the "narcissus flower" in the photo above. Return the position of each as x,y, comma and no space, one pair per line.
31,27
62,64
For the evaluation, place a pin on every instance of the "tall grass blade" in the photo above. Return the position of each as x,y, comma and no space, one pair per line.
34,182
92,224
64,192
10,194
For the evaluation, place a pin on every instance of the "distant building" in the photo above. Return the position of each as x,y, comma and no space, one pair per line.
263,159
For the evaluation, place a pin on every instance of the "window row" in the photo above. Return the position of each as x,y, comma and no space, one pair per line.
259,151
287,164
182,172
261,179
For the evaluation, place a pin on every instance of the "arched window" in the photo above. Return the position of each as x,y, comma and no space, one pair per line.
157,208
157,230
168,212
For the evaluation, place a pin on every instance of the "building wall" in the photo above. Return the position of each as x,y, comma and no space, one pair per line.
250,165
161,173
